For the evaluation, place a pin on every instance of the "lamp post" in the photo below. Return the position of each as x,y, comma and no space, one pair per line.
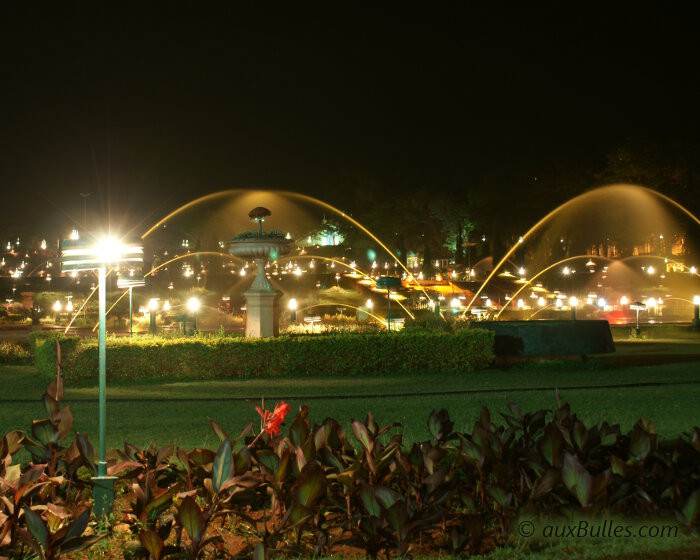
130,283
152,311
388,282
193,306
85,255
293,310
85,197
573,303
637,306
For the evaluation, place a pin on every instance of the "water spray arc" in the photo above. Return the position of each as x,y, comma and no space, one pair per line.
541,272
298,196
187,255
562,207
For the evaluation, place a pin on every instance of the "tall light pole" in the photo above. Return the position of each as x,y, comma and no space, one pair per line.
388,282
193,306
90,255
130,283
293,310
85,197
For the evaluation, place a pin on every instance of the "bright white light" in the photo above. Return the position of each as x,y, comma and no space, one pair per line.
566,271
57,306
455,303
558,303
153,304
109,250
521,304
431,304
193,304
696,300
522,271
43,244
541,302
651,302
188,272
242,272
693,270
601,303
488,302
69,306
166,305
297,271
651,270
74,235
589,301
624,300
370,304
573,301
292,305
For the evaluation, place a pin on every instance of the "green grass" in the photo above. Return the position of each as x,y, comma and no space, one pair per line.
681,547
176,412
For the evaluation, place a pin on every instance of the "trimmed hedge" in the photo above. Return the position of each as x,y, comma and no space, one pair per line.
13,353
43,344
218,357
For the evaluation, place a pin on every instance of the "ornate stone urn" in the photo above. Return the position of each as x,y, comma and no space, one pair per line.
262,307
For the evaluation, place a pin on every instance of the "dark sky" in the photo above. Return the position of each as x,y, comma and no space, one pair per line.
149,108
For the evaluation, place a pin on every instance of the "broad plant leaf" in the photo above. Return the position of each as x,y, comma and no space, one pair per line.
222,467
310,485
192,519
577,479
37,527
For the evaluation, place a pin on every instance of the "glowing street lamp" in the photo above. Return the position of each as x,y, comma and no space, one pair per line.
193,306
573,303
131,283
77,255
637,306
292,305
152,309
388,282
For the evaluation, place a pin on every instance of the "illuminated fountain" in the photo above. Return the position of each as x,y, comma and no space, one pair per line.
262,301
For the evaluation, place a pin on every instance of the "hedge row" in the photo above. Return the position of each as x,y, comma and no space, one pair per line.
13,353
220,357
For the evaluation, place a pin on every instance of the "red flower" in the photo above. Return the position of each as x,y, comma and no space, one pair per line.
270,421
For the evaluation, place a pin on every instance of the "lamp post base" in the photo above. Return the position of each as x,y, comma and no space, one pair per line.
103,495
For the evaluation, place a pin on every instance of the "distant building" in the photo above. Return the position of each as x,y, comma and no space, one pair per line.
328,235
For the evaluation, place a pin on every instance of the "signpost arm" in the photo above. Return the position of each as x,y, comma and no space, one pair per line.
388,309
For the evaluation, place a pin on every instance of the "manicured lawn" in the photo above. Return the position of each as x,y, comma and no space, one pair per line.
176,412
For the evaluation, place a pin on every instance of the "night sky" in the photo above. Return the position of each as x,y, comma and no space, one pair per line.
147,109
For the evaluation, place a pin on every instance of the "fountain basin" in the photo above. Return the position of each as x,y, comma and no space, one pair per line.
260,248
550,338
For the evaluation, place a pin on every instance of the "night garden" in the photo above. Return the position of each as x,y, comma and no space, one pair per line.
344,288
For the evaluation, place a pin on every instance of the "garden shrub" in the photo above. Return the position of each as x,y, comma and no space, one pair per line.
43,344
455,493
13,353
217,357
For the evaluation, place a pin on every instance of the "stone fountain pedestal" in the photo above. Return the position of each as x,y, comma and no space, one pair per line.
262,300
